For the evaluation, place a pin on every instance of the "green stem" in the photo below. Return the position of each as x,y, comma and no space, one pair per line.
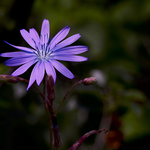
79,82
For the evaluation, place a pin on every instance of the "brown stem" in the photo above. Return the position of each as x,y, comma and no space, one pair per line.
67,95
49,118
84,137
44,99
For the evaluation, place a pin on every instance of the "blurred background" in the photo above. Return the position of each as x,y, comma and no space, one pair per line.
117,33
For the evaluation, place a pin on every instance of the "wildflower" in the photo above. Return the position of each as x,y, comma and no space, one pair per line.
45,53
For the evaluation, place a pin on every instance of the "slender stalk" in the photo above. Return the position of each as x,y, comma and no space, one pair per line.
24,80
49,118
47,113
84,137
79,82
50,126
44,86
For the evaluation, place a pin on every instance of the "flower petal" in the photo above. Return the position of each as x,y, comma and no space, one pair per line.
71,50
62,69
23,68
35,37
21,48
26,35
40,72
50,70
68,41
16,54
33,76
72,58
59,36
18,61
45,32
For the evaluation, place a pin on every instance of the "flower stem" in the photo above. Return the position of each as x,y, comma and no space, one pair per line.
24,80
84,137
44,86
79,82
49,118
47,113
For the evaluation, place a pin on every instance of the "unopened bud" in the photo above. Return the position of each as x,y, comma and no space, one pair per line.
89,81
50,88
8,78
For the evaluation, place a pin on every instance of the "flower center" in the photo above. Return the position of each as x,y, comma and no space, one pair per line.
43,54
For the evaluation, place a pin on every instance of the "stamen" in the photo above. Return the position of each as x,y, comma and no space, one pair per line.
43,49
35,44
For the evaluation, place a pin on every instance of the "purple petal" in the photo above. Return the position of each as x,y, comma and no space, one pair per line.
16,54
68,41
72,58
35,37
23,68
18,61
33,76
21,48
40,72
59,36
62,69
71,50
26,35
45,32
50,70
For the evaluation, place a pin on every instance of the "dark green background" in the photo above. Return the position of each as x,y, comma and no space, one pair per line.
117,33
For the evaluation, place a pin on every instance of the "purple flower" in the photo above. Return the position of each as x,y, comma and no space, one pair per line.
45,53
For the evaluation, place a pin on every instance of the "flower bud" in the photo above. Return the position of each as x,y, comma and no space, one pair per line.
50,88
89,81
8,78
